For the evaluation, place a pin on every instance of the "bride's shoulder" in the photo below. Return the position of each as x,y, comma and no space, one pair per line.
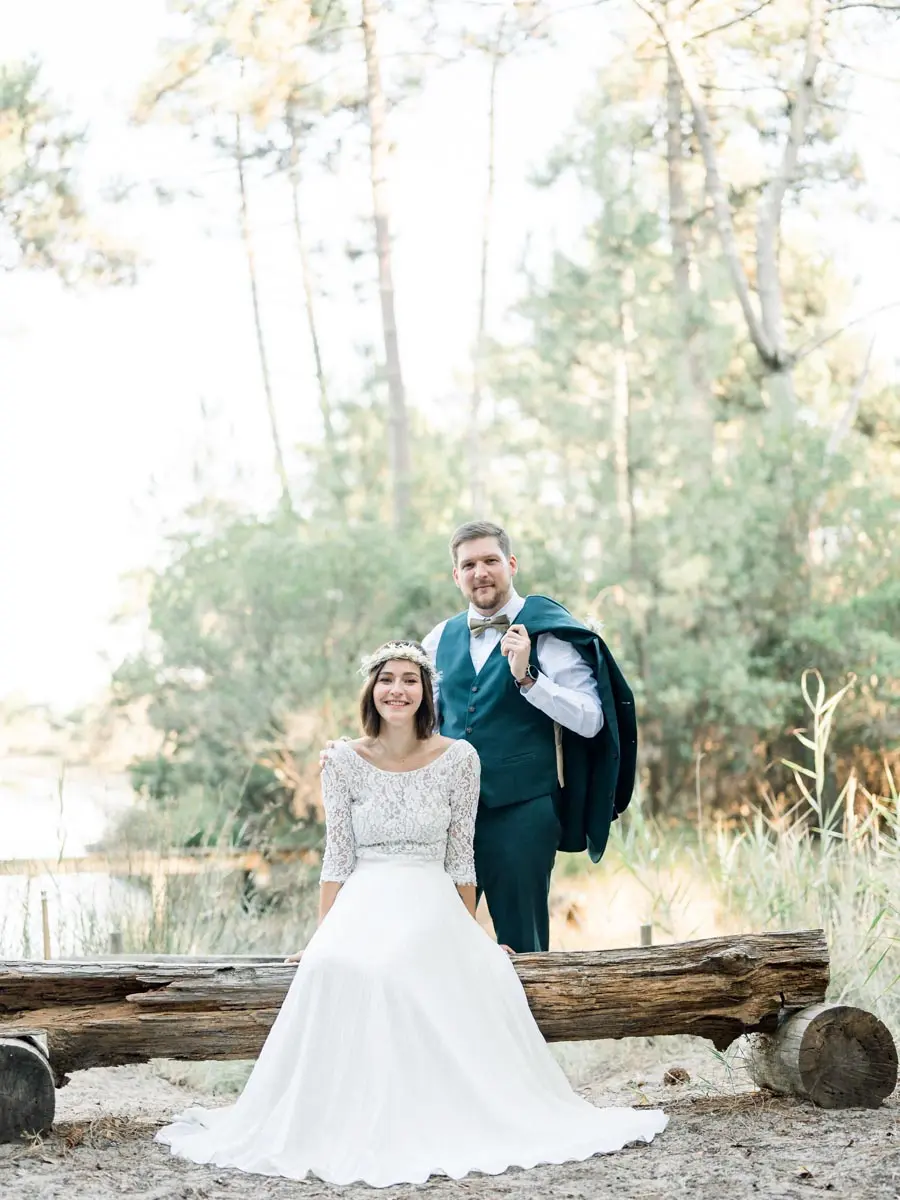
344,751
464,751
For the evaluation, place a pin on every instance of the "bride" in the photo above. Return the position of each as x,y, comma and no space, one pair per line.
405,1046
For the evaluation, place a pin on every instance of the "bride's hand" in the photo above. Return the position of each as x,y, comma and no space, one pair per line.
509,950
294,958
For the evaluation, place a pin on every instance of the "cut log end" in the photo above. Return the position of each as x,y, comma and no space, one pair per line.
27,1093
834,1055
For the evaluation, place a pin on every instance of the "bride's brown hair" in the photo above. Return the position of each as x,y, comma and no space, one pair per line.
425,719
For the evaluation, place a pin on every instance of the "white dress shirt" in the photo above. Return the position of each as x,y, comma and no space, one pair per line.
565,689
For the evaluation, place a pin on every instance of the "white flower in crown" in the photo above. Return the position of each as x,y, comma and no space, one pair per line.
397,650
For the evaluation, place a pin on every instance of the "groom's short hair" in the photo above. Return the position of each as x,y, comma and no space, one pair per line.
479,529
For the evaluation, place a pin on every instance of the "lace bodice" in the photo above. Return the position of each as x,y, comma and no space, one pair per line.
429,812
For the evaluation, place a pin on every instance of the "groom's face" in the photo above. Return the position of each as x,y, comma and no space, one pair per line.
483,574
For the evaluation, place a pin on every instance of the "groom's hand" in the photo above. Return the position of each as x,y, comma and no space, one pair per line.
325,753
516,647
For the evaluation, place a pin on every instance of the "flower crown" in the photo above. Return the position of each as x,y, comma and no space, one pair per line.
392,650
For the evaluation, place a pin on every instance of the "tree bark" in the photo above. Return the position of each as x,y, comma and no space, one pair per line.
768,224
696,375
476,467
621,422
104,1013
398,424
715,187
765,324
309,294
842,427
247,238
836,1056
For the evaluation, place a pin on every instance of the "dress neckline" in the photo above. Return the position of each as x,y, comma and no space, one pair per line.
412,770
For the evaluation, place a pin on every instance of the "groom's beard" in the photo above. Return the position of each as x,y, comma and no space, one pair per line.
490,598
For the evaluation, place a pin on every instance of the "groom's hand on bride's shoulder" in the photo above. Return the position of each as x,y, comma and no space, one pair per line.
327,749
509,950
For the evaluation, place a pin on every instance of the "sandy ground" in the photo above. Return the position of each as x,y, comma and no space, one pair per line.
723,1141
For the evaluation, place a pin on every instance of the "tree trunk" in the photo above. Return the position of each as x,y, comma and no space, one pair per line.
621,422
476,466
104,1013
308,287
695,373
718,194
398,425
336,481
768,224
836,1056
765,324
247,238
816,549
623,465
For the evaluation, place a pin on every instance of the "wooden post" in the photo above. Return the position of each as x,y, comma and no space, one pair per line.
115,941
647,935
27,1092
834,1055
45,924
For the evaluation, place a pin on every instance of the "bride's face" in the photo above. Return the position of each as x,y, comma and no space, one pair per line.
397,692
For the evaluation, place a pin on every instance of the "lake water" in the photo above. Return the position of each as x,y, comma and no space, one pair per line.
43,816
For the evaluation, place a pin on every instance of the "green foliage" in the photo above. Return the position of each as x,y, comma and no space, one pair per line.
44,224
726,554
728,522
257,631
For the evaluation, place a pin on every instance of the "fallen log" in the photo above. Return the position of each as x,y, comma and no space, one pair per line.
832,1054
105,1013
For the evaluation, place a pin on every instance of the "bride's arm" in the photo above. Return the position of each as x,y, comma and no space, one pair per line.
339,858
467,895
328,891
459,860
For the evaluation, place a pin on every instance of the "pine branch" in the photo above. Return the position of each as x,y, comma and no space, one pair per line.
734,21
819,342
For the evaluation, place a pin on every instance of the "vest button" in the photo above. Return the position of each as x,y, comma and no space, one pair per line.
474,689
471,708
468,729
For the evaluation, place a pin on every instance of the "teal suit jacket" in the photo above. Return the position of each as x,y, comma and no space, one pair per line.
598,772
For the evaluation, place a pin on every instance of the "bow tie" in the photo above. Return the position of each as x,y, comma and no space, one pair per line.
477,625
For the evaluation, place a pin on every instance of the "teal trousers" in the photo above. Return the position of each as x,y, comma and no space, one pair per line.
515,847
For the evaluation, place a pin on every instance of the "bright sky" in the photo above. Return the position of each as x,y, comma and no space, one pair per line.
101,391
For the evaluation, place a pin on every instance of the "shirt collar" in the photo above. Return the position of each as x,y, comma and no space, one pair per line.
511,608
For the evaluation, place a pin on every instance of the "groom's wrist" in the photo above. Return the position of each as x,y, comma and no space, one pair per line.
527,680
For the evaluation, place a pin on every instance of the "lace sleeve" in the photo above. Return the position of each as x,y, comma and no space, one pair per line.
459,860
339,858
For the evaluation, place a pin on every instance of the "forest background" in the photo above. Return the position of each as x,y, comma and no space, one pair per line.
671,387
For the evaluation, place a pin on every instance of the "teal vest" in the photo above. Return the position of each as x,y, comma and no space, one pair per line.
515,741
518,750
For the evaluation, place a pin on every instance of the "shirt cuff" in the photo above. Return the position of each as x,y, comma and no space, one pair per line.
540,691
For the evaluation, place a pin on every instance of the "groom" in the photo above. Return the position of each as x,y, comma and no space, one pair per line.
541,699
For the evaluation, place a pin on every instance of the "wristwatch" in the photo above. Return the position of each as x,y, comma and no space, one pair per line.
531,674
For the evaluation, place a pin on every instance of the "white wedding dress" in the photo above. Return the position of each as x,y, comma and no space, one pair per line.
405,1046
